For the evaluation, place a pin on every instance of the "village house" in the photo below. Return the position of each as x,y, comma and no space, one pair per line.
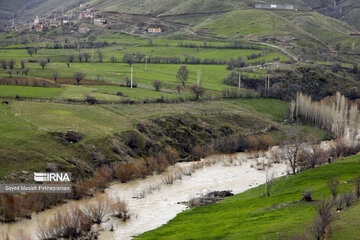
155,30
274,6
100,21
41,28
86,15
84,30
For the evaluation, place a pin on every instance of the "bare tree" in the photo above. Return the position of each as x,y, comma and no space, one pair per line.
178,88
86,56
292,150
100,55
157,85
315,157
182,75
3,64
71,58
42,63
30,51
11,64
10,72
140,57
197,90
78,76
333,187
129,58
325,216
22,63
26,71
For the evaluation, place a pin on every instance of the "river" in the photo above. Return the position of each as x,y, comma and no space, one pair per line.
237,173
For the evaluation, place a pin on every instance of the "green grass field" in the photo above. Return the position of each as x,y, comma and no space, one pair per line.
249,215
29,92
25,125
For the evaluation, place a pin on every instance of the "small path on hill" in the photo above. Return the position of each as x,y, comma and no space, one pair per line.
281,49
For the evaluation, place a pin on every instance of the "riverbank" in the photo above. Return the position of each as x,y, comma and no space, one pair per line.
283,214
150,209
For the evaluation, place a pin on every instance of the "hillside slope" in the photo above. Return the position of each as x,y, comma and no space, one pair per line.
283,215
309,29
348,10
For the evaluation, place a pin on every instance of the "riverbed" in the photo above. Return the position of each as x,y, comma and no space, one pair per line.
152,202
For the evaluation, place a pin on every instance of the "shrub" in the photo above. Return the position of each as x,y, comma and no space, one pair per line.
168,179
171,154
348,198
135,140
197,90
253,143
126,171
229,144
307,195
83,188
91,100
265,142
102,177
70,223
198,152
339,203
98,209
119,209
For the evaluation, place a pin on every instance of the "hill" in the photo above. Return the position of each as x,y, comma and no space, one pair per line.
309,29
347,11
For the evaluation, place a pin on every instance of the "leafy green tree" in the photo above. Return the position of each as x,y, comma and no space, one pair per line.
42,63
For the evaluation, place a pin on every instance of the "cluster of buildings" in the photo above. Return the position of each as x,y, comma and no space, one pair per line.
274,6
84,16
57,19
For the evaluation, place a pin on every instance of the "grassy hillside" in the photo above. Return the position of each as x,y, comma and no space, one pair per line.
27,129
251,216
310,29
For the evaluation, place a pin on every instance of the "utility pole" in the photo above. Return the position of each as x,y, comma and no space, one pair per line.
239,81
199,76
131,77
145,63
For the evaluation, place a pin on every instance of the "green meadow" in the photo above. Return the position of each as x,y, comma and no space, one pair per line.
283,215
